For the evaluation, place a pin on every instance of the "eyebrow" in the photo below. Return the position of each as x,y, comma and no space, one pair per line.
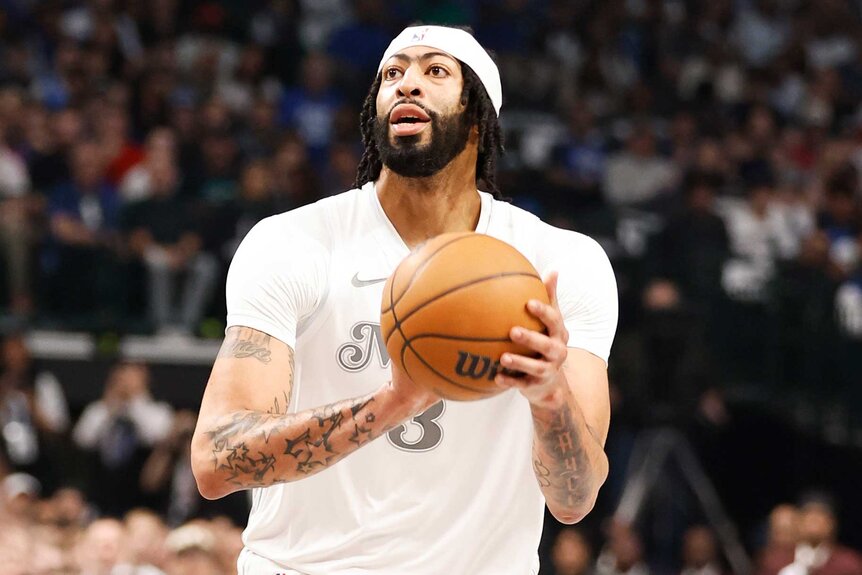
425,56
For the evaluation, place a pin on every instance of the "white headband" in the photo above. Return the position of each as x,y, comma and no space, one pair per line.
457,43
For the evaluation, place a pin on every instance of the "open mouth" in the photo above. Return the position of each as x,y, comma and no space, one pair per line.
408,119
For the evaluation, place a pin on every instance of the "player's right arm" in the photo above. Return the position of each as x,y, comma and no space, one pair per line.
245,436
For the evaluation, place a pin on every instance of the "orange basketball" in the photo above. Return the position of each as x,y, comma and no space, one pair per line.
449,306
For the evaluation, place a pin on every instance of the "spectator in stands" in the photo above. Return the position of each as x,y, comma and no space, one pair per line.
80,259
145,546
17,230
684,267
100,550
357,44
15,61
69,512
49,138
638,176
840,227
119,430
623,552
197,123
60,83
781,538
23,553
168,470
688,255
219,168
238,87
20,494
230,545
121,153
162,233
760,32
840,223
700,552
294,178
578,162
259,136
341,169
571,553
33,414
160,147
818,551
255,202
192,549
761,236
309,109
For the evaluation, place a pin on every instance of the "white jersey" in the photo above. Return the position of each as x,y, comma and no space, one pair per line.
451,491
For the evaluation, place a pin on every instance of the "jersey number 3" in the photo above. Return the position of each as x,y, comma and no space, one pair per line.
422,433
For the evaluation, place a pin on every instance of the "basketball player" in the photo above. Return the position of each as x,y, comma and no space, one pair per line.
355,469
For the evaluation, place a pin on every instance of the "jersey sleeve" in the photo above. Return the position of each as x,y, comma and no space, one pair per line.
586,291
277,278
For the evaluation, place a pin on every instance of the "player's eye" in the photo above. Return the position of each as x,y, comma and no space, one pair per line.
391,73
438,71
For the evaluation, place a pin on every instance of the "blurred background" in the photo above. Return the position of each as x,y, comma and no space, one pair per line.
713,148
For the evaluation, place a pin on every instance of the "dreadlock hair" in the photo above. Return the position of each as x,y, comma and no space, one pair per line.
480,112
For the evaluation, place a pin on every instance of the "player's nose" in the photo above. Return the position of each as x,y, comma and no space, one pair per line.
410,83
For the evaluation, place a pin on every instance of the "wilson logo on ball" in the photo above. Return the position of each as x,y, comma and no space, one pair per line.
479,366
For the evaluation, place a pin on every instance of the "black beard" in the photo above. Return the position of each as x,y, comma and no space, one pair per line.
406,157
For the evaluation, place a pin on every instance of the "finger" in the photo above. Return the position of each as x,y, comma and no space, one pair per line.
530,366
550,348
549,315
517,381
511,378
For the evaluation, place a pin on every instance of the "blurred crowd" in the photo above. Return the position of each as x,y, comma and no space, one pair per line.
56,536
713,148
106,490
797,540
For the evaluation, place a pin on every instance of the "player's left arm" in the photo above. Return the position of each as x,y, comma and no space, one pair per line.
567,388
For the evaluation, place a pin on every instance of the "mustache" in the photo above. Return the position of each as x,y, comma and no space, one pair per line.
431,114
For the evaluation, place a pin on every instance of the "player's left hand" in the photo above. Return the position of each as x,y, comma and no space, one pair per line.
542,376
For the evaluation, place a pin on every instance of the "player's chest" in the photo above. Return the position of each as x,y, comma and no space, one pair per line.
352,307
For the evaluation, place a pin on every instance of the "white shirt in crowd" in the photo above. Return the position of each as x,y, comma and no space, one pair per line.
151,420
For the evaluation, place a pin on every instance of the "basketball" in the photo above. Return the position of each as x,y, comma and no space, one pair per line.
448,308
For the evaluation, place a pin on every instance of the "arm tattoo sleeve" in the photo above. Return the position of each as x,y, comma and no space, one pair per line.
561,459
255,449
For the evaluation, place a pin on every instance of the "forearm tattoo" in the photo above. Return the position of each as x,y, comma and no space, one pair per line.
560,460
255,449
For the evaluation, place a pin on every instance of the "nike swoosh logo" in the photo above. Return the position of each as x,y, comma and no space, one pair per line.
362,283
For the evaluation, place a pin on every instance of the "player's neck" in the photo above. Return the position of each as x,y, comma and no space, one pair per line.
422,208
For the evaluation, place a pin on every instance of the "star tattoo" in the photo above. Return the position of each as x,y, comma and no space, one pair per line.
318,453
223,457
